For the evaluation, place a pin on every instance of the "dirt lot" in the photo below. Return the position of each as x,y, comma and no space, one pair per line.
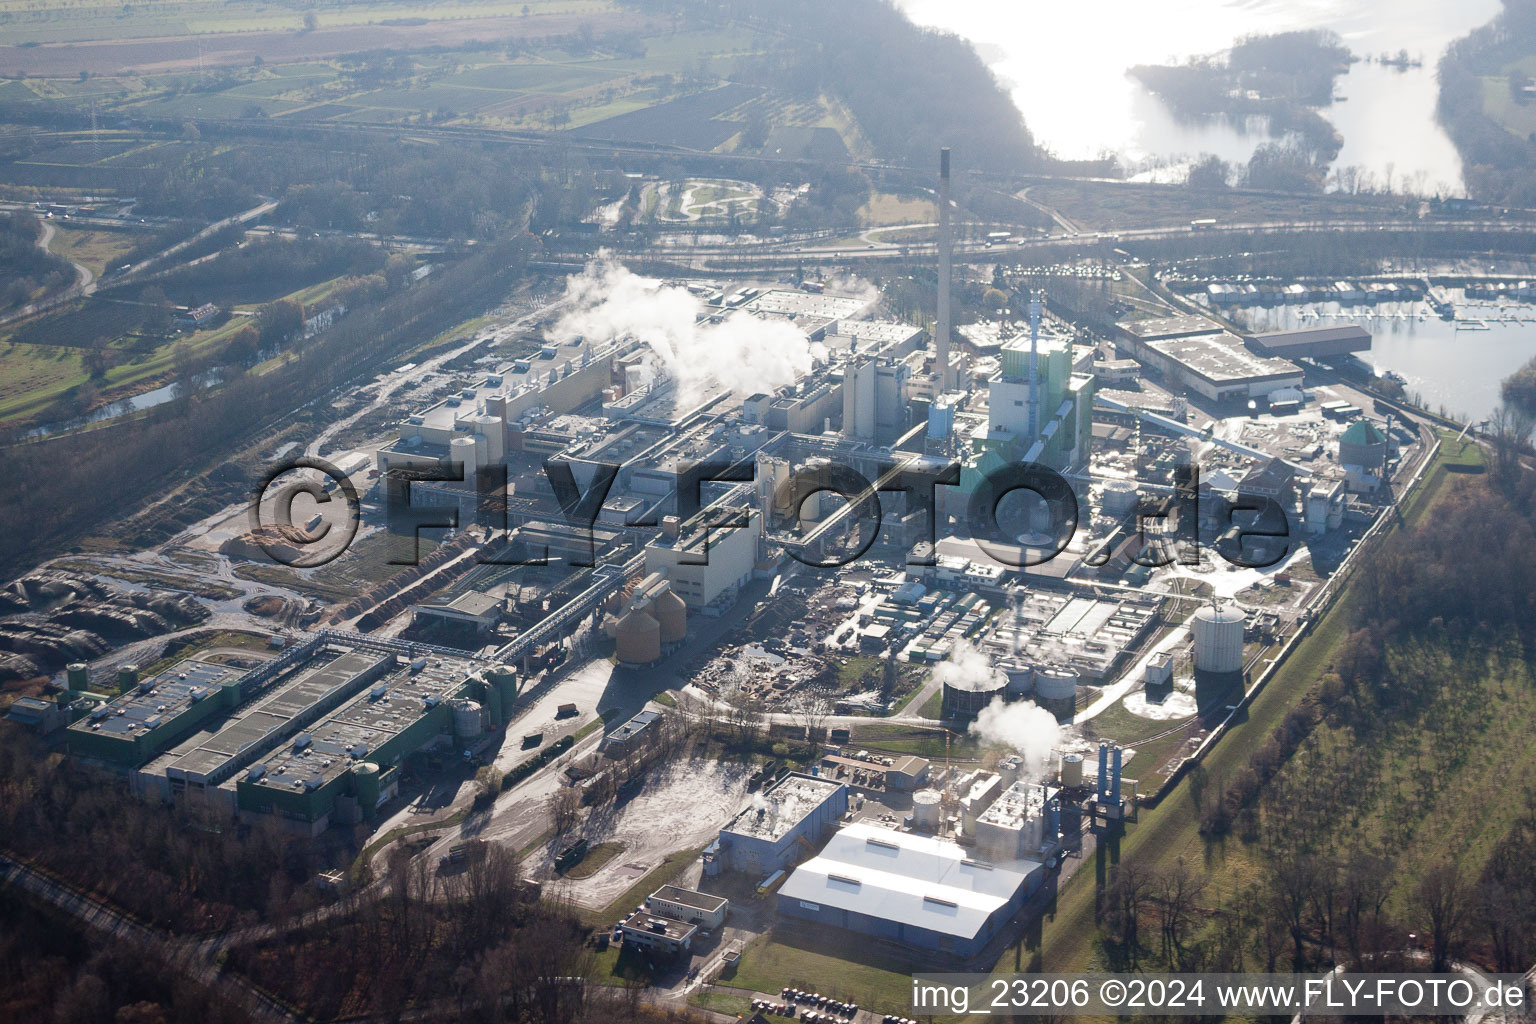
681,807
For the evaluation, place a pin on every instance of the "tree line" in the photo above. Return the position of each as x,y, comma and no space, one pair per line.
86,481
1333,804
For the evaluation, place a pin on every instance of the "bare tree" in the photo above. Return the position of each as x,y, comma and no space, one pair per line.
1129,892
814,711
1365,885
1178,892
1289,887
565,809
1443,900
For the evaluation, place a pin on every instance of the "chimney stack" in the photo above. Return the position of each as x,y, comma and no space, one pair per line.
941,342
1034,367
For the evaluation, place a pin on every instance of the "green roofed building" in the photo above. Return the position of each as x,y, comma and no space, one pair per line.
156,714
313,776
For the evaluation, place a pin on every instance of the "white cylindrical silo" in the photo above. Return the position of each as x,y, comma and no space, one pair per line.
1218,639
925,809
1071,770
495,438
462,450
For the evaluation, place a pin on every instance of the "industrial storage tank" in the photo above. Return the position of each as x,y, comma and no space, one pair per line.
468,719
1119,497
637,637
365,783
672,614
1056,690
127,676
1219,639
1055,682
964,698
1021,679
1071,771
79,676
925,809
462,450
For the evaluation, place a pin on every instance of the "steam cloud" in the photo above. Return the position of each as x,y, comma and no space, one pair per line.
744,353
1024,728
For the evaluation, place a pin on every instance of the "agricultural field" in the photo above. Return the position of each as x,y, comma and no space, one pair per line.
93,248
42,360
58,21
622,84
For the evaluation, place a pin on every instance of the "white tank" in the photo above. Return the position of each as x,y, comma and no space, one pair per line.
467,720
462,449
1021,679
925,809
1119,497
1219,639
1055,683
490,427
1071,770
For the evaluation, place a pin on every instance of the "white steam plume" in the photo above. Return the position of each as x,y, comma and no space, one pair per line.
745,354
854,286
1024,727
969,669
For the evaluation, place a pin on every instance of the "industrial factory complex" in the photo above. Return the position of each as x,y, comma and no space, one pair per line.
773,615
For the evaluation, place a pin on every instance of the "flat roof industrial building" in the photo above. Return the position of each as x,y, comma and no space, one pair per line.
210,757
914,889
157,713
394,716
1314,342
783,825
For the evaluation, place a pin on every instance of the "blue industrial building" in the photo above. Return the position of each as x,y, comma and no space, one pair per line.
783,826
918,890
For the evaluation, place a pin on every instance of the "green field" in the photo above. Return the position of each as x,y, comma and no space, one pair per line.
34,377
94,248
821,963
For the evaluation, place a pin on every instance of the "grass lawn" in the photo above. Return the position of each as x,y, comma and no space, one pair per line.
933,707
722,1002
95,248
594,859
902,739
821,963
883,208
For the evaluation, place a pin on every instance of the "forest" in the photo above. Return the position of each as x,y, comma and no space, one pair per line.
910,89
1496,163
26,270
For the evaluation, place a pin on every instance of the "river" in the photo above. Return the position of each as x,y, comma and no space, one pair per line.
1065,65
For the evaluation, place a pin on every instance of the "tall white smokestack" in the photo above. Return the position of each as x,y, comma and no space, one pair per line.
941,343
1034,367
